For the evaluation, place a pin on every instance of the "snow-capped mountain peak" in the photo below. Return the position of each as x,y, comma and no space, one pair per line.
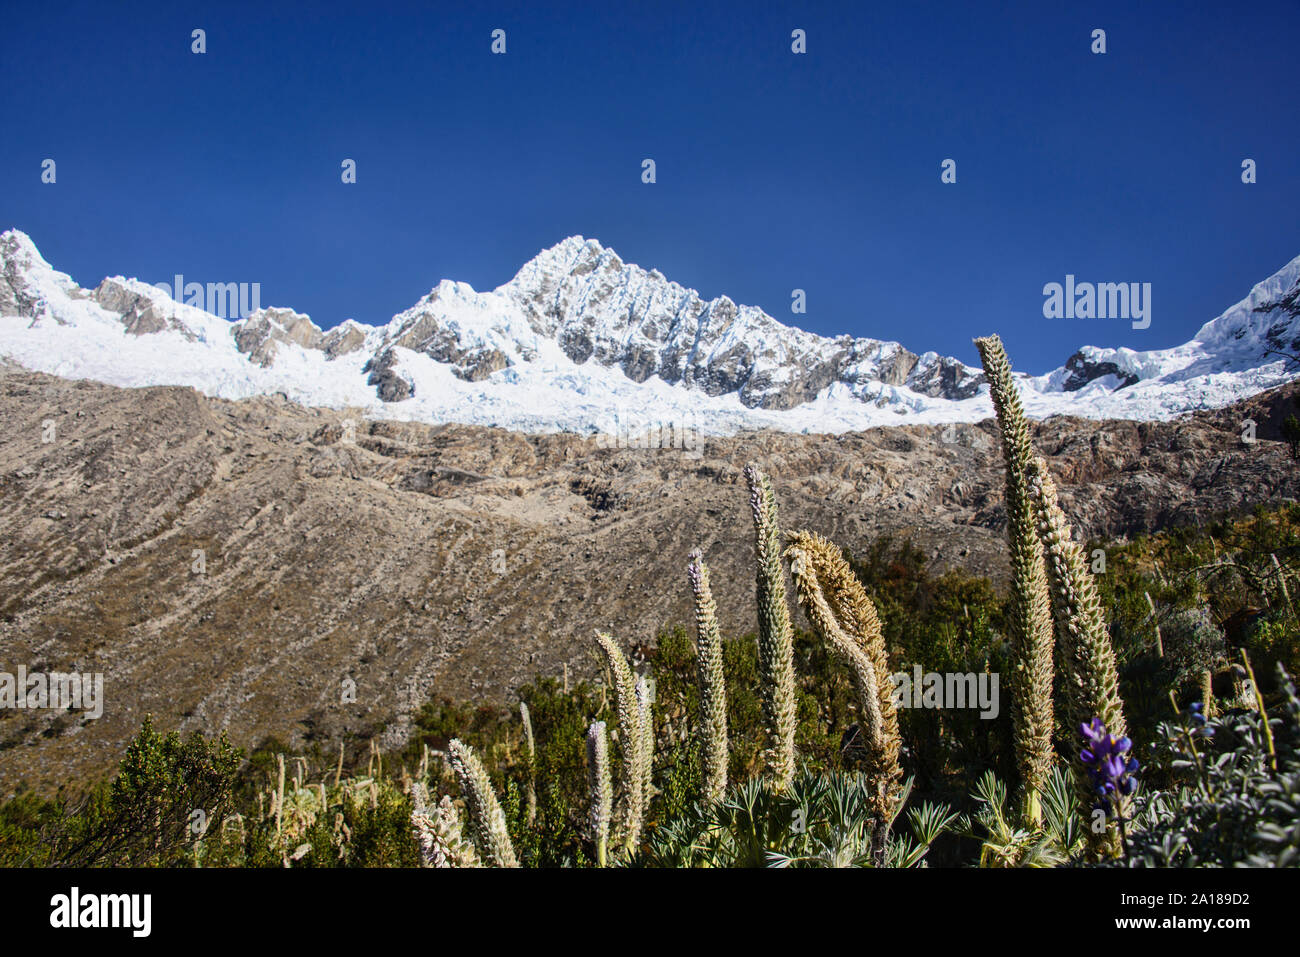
581,340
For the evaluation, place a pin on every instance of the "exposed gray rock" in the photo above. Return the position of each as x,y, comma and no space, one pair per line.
342,339
1083,370
389,385
141,315
258,335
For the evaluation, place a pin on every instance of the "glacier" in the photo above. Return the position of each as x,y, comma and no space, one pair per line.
581,341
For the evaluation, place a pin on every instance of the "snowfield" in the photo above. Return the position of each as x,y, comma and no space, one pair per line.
580,341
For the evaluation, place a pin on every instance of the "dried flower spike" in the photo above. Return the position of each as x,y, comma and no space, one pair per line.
775,635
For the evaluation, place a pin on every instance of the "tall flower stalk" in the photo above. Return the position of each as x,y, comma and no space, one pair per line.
646,760
530,749
600,788
775,635
1031,612
632,739
838,607
1091,678
487,821
713,688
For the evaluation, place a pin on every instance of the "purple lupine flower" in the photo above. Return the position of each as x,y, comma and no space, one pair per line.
1110,764
1198,720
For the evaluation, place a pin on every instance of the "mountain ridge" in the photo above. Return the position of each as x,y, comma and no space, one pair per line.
579,340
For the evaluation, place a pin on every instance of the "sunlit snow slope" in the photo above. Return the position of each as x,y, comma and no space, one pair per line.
580,340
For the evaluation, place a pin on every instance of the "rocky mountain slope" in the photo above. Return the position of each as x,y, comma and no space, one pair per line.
582,341
229,565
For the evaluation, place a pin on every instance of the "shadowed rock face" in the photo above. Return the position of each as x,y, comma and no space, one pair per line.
1083,370
417,559
388,383
426,334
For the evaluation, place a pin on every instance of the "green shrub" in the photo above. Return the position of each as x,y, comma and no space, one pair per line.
1233,791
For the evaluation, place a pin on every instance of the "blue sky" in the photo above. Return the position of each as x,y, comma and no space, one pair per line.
775,171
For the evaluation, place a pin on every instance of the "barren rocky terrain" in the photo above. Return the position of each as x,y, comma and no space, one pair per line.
233,565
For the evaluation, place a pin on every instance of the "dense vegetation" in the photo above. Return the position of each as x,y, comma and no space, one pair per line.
1216,592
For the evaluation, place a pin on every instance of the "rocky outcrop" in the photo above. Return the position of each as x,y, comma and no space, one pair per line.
259,335
142,314
346,337
1080,369
390,385
947,378
427,330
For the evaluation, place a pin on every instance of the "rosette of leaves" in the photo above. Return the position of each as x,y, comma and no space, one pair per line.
818,820
1005,842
